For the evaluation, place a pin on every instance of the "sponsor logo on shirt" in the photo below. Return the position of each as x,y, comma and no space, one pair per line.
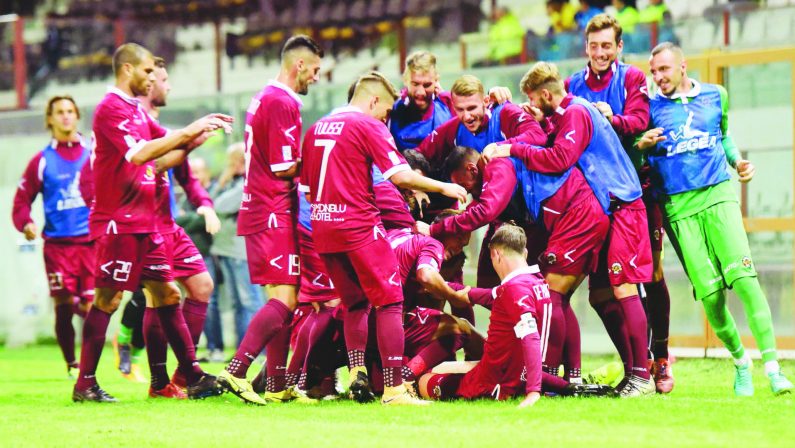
327,212
196,257
70,196
329,127
688,139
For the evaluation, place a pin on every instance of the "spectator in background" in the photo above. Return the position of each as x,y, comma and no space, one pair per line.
588,9
230,249
505,37
561,16
657,12
627,14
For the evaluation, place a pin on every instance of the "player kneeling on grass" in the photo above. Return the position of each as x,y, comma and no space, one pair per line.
517,335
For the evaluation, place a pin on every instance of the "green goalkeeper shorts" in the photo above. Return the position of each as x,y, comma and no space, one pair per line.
713,248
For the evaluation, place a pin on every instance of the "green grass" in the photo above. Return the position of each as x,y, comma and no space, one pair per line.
36,410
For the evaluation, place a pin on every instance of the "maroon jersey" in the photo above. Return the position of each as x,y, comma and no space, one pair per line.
272,135
338,153
514,315
414,252
126,201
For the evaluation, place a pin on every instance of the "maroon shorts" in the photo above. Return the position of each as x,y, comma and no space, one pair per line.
124,260
186,261
273,257
419,326
369,273
70,268
626,255
576,237
654,216
316,285
444,386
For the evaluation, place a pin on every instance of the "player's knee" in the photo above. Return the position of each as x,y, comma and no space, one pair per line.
107,300
599,296
200,287
422,384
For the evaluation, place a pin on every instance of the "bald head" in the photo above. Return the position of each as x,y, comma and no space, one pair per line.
129,53
134,67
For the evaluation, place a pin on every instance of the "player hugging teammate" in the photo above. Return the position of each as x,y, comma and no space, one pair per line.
571,184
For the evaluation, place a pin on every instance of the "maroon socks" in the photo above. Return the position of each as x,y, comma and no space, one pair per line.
658,310
195,313
635,322
94,329
262,328
65,332
389,329
156,349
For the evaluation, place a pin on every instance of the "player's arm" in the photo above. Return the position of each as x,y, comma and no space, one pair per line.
573,135
499,180
141,151
198,197
175,157
518,125
635,118
282,140
439,143
477,296
526,331
745,169
28,188
430,279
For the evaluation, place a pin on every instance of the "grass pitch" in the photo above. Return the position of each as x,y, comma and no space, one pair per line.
36,410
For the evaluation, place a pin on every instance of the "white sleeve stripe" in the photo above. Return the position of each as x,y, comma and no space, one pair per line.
281,166
303,188
42,165
494,292
426,265
395,169
135,149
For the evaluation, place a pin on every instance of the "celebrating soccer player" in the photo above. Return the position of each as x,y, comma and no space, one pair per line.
268,217
68,251
619,92
129,247
688,150
581,135
338,154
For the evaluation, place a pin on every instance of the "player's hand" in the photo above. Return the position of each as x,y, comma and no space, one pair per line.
494,150
422,200
210,123
530,400
533,111
211,222
650,138
605,109
500,95
460,299
30,230
454,191
422,228
745,170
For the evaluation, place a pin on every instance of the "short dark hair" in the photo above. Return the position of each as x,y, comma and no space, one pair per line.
509,237
601,22
51,104
446,213
417,161
160,62
302,41
457,157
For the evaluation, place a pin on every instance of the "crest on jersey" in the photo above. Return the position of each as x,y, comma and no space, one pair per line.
551,258
150,173
657,234
616,268
747,264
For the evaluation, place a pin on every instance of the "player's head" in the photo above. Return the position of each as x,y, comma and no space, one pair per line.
134,67
507,247
161,87
621,4
61,115
668,67
462,167
375,95
200,170
421,78
453,243
602,41
301,58
417,161
469,102
236,158
543,86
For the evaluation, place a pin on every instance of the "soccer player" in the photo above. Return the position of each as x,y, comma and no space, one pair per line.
186,262
619,92
68,251
423,106
564,205
688,150
581,135
129,249
268,216
517,334
338,153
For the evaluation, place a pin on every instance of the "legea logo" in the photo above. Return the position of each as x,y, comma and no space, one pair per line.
688,139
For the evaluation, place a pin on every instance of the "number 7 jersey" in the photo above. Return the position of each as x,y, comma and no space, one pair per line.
338,154
272,137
